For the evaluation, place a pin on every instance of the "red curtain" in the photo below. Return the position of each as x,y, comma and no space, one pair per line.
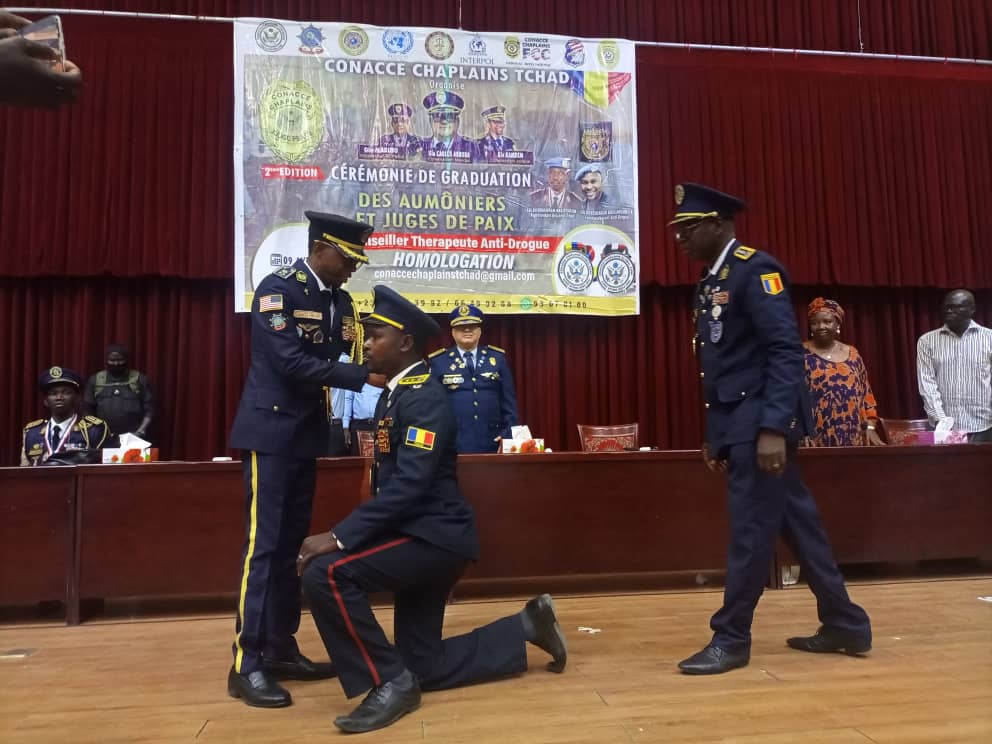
869,179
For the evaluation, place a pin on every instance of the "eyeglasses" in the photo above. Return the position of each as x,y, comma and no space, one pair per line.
444,117
356,264
685,229
400,120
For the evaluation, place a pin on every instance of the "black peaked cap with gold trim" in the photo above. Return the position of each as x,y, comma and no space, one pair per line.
694,201
347,235
391,308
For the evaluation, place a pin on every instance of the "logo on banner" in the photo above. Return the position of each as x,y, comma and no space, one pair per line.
537,49
292,119
575,270
311,40
353,40
616,270
397,41
511,45
575,53
609,54
270,36
439,45
596,141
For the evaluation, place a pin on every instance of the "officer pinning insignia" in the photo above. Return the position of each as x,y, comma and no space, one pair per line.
772,283
277,321
419,438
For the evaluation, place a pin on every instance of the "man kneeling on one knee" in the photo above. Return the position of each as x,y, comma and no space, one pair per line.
414,539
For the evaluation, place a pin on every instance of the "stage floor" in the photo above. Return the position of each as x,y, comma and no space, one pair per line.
928,679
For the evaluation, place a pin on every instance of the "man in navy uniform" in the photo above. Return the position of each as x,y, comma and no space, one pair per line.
408,143
479,383
413,539
556,194
65,436
493,141
301,322
751,361
445,109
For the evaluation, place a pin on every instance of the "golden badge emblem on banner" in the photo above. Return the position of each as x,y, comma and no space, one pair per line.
292,119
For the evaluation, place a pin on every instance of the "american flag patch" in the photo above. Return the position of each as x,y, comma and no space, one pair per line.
420,438
267,303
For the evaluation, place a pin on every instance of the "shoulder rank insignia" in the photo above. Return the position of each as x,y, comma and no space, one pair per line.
496,348
93,419
285,272
772,283
415,379
420,438
744,253
33,424
435,353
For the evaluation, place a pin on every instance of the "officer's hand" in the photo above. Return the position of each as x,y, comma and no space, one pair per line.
347,438
27,77
10,21
377,380
714,464
771,452
312,547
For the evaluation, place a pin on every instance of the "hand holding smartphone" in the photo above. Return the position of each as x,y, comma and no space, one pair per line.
48,31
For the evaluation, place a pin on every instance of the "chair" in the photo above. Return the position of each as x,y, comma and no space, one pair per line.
618,438
903,431
366,443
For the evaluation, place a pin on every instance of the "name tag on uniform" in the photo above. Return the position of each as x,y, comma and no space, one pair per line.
452,380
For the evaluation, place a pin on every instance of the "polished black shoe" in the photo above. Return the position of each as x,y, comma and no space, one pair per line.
830,641
257,690
547,632
383,706
299,667
713,660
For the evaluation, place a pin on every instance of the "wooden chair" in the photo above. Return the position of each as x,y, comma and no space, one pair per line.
903,431
366,443
618,438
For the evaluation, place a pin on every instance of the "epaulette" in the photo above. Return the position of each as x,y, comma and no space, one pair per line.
285,272
743,252
94,420
33,424
435,353
415,379
496,348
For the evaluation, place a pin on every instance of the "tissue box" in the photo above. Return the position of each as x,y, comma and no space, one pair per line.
117,455
521,446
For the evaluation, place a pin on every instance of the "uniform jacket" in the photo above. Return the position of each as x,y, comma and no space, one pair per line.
458,144
543,198
87,433
490,145
485,406
410,145
294,352
749,351
414,487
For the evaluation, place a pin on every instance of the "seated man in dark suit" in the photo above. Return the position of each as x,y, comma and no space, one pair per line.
66,437
414,538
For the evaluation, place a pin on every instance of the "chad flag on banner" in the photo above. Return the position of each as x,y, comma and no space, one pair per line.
599,88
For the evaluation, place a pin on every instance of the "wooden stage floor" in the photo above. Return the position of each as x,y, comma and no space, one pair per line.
929,679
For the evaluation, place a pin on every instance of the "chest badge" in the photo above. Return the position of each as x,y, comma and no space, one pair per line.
716,330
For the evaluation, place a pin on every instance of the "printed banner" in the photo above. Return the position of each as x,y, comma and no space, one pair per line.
496,169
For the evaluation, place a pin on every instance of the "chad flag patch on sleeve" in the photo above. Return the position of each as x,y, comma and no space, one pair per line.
772,283
420,438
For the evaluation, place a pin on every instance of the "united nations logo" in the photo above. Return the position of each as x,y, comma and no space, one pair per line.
311,40
575,271
397,41
477,46
575,53
292,119
616,271
353,40
609,54
511,45
439,45
270,36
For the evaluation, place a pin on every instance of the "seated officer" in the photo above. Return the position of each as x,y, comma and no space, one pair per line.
414,539
65,438
479,383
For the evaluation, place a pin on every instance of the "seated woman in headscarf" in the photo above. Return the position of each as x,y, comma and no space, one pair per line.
844,406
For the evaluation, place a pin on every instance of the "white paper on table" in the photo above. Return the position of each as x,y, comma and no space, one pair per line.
520,432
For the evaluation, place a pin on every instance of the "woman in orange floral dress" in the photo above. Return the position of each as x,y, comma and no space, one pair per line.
844,406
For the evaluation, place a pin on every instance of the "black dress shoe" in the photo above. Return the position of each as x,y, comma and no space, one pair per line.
547,632
713,660
257,690
831,640
299,667
383,706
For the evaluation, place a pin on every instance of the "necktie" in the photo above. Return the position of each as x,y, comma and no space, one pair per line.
328,296
56,433
469,364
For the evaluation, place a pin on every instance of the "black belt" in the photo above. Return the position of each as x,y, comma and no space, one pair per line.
335,421
363,421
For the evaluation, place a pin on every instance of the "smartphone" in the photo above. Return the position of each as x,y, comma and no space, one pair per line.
48,31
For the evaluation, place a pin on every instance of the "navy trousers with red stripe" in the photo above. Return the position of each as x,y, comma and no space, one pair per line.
279,499
420,577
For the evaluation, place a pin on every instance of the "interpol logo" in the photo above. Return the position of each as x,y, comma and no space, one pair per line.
439,45
616,270
397,41
477,46
575,53
511,45
270,36
575,271
609,54
353,40
292,119
311,40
